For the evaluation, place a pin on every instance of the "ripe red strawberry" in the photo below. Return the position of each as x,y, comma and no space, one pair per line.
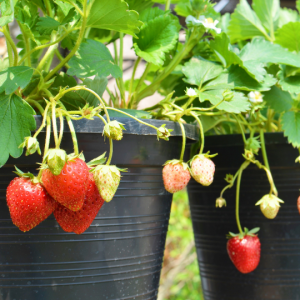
176,175
79,221
269,205
298,204
244,252
29,203
202,169
69,187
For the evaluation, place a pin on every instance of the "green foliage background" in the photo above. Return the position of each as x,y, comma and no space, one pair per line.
180,278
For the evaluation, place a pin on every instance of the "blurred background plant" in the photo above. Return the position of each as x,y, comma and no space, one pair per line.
180,278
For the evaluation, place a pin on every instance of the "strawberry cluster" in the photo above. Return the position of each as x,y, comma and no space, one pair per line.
74,196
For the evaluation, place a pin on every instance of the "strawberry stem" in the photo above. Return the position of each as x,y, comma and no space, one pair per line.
237,199
201,131
241,129
110,151
48,132
54,125
61,130
183,141
229,185
44,121
73,134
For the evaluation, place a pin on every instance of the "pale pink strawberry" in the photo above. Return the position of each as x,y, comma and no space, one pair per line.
176,175
202,169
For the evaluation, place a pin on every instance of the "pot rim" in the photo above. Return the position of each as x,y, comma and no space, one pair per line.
132,126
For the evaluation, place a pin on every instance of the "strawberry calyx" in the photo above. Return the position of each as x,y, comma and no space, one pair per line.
32,145
202,156
270,200
177,161
56,159
241,235
163,132
27,175
114,130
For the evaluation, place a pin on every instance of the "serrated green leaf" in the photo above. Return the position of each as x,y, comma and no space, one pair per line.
198,71
78,99
46,25
40,4
268,12
150,14
114,15
93,58
291,127
278,99
156,38
288,36
244,23
65,7
260,52
16,119
139,5
287,15
222,48
239,103
7,11
241,80
14,77
290,84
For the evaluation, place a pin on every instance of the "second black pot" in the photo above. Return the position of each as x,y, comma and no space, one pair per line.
277,276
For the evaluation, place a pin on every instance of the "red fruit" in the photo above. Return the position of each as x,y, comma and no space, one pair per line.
298,204
244,253
69,187
176,176
79,221
29,204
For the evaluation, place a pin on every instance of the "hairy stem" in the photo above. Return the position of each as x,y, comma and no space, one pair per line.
183,141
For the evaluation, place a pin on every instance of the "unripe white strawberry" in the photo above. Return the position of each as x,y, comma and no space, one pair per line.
269,205
176,175
202,169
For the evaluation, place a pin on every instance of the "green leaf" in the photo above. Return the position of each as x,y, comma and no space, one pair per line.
287,15
65,7
222,48
288,36
7,11
244,23
46,25
291,127
14,77
239,78
156,38
278,100
239,103
78,99
260,52
298,5
114,15
198,72
290,84
139,5
268,12
16,118
93,58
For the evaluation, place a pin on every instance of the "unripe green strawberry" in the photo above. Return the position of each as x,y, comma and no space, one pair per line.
269,205
202,169
114,130
107,179
176,175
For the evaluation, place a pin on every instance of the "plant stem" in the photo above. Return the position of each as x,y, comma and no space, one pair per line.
27,44
101,118
61,130
124,113
167,7
36,104
11,47
44,121
183,141
133,74
61,58
201,131
48,132
116,53
121,82
54,124
237,199
48,7
263,149
229,185
73,134
78,43
110,152
241,129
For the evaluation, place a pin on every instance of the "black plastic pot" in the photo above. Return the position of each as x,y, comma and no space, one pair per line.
277,276
120,255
